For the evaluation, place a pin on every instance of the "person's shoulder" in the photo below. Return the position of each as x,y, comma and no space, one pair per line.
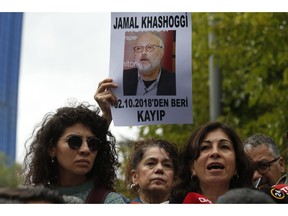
136,200
116,198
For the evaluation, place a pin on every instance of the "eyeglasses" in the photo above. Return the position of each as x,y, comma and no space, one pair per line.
148,48
263,167
75,142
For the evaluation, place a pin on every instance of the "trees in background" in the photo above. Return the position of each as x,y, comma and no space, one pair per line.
9,174
250,50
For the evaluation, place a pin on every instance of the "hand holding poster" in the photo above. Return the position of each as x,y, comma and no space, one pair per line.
150,61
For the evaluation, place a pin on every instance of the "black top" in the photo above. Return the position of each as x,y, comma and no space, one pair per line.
166,84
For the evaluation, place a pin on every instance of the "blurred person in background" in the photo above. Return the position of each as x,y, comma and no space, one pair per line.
245,196
270,165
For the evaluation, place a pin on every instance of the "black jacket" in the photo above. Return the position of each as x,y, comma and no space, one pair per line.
166,84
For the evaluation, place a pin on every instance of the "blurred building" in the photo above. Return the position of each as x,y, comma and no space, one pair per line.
10,47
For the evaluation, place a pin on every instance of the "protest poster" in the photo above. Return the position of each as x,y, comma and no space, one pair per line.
151,61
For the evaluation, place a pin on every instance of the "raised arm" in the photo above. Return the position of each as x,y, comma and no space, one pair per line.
105,98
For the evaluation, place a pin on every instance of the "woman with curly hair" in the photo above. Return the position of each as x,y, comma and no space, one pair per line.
73,152
212,162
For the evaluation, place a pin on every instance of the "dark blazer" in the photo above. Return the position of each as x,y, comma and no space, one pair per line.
166,84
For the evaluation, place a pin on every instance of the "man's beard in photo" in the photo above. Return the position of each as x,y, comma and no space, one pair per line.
147,68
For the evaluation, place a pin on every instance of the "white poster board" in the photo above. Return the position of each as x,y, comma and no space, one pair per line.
170,107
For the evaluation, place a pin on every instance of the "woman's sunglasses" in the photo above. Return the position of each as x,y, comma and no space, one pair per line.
75,142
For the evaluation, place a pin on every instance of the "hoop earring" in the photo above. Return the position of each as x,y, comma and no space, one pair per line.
132,186
135,188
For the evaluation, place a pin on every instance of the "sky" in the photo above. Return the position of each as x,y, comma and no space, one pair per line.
63,57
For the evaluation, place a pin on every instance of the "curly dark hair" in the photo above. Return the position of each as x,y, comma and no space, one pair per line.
191,151
38,167
139,149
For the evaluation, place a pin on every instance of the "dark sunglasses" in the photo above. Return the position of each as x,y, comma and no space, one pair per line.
75,142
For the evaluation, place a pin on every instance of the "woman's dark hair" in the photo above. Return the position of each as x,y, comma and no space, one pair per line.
139,149
38,167
191,152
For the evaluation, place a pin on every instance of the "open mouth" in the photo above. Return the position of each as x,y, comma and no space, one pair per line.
215,166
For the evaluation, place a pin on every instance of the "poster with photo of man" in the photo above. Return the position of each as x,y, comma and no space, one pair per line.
151,64
150,60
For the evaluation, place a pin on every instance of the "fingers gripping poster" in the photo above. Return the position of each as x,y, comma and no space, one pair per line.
150,60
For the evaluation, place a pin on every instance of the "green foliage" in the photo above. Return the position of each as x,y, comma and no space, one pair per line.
9,174
251,49
251,52
123,148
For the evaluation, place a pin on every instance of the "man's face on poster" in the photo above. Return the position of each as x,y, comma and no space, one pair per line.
148,53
